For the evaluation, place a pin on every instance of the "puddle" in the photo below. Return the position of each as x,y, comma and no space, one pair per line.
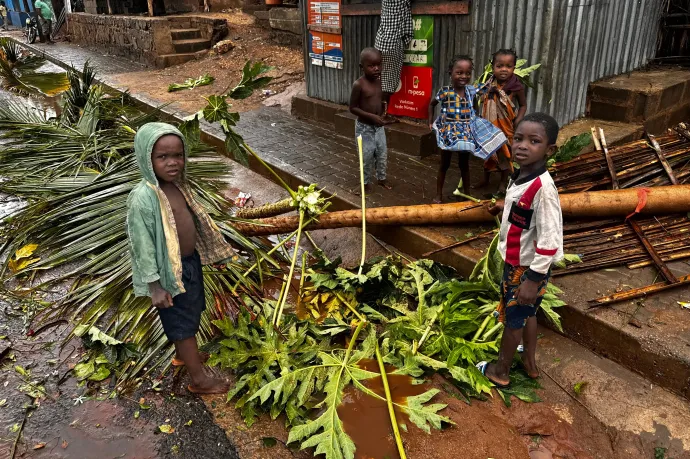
366,419
95,430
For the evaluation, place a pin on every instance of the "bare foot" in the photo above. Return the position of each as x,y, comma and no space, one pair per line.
367,190
481,184
210,386
438,199
494,377
530,367
384,184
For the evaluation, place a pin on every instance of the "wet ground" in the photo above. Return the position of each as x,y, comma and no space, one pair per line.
614,416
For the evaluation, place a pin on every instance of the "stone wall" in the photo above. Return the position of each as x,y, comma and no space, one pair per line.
140,39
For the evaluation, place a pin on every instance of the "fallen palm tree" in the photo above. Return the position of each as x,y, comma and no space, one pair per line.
594,204
75,173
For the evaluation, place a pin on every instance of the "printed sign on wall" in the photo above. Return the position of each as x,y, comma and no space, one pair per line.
413,97
324,13
416,83
316,48
420,51
325,48
333,50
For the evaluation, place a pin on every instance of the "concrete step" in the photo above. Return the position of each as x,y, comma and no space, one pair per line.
408,138
656,98
185,34
191,45
639,416
168,60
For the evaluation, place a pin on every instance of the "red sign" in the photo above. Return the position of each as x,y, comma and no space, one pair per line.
414,94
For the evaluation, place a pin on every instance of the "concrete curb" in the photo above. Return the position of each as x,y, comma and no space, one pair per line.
668,370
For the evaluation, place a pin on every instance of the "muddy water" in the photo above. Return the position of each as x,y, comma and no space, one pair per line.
366,418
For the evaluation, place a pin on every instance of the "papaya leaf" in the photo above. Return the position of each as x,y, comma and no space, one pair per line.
423,415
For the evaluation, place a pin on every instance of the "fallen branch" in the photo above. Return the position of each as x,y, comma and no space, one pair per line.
595,204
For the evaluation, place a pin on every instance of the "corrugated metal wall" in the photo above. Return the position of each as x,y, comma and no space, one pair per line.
576,41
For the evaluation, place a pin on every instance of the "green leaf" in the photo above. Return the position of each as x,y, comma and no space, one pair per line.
579,387
423,415
100,374
191,83
166,429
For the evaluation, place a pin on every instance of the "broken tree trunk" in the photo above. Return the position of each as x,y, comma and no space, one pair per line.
594,204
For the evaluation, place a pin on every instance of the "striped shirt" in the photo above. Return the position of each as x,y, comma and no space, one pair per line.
532,227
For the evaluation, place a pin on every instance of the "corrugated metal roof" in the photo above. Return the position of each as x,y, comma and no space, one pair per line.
576,41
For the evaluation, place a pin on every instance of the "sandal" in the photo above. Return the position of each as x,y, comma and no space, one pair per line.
482,366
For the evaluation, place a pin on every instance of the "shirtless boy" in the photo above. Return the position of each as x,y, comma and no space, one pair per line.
170,238
366,101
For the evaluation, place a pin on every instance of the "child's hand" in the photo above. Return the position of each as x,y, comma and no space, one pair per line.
527,292
497,208
379,120
431,126
161,299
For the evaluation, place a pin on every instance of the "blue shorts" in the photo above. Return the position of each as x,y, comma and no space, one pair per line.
182,320
511,313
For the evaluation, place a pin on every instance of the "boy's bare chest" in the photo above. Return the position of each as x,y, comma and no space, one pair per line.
181,212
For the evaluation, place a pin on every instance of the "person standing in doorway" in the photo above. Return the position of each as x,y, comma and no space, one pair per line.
45,18
392,38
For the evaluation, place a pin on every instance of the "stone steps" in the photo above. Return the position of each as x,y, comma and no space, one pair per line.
167,60
656,99
185,34
191,45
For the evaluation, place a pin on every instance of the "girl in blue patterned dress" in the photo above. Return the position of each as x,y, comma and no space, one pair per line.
458,128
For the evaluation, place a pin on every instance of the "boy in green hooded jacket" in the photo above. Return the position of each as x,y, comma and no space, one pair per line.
170,238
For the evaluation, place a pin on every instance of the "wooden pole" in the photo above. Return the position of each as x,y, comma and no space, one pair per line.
662,159
593,204
609,161
150,5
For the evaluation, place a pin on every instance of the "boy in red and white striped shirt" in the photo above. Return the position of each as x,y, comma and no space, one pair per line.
531,240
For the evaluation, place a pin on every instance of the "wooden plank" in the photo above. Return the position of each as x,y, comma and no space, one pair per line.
660,265
595,139
455,7
662,159
637,293
325,29
609,161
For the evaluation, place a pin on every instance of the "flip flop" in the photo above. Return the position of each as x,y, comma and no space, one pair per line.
180,363
482,366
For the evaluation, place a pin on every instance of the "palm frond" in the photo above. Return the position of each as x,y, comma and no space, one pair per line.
75,176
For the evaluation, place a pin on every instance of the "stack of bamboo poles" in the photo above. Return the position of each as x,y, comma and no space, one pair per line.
608,243
636,164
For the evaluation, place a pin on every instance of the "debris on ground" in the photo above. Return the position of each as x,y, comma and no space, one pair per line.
223,46
251,42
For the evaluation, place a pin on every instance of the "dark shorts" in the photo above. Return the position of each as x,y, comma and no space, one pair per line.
182,320
512,314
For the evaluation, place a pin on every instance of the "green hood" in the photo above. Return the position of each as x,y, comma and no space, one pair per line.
146,138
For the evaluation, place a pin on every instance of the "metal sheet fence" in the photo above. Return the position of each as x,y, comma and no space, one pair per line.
576,41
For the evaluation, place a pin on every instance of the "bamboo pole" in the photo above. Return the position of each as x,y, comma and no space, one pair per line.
594,204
